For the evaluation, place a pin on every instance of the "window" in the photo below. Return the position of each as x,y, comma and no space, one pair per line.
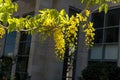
111,35
112,17
96,52
106,37
23,54
111,52
98,19
99,36
24,44
10,41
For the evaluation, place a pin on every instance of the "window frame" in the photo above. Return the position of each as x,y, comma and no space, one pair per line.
103,43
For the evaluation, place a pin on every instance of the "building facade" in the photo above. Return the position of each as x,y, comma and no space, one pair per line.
36,61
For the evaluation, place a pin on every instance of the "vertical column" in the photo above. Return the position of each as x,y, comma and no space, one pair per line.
118,63
32,45
40,4
31,54
82,55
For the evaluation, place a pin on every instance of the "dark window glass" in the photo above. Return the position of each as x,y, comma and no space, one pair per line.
10,43
112,17
98,36
24,45
21,76
22,64
98,19
73,11
23,56
111,35
25,37
24,48
11,38
9,49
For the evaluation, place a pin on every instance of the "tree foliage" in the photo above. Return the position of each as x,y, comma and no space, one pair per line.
51,22
101,71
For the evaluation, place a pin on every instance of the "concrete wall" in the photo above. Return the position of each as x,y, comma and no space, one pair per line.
45,66
24,7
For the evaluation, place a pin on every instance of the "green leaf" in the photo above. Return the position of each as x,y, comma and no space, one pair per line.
97,1
101,7
16,7
12,25
1,1
62,12
106,8
4,17
7,1
82,1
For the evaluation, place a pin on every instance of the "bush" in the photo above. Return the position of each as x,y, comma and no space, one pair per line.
101,71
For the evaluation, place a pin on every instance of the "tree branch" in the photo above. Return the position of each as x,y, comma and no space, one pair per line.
87,6
3,26
20,29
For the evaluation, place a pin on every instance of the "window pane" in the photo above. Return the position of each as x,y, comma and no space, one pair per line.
11,38
112,17
10,43
21,76
9,49
98,36
24,45
111,35
24,48
98,19
73,11
111,52
22,64
96,52
25,37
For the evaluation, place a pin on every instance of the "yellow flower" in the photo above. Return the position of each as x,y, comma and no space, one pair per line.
90,24
2,32
87,13
80,17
